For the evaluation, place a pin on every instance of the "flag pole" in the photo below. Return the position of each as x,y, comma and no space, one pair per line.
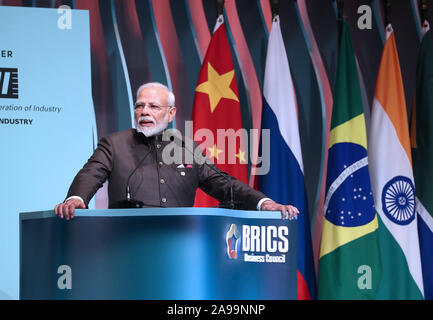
275,7
387,12
340,7
423,6
219,7
340,18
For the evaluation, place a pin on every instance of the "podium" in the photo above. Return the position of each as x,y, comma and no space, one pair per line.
158,253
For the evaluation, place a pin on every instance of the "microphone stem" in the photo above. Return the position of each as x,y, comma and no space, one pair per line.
128,190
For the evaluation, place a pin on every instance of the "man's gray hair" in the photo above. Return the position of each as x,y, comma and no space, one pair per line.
171,99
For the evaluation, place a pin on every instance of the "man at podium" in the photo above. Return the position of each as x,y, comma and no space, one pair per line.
132,162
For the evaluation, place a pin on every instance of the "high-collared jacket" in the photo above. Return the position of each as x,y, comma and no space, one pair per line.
129,158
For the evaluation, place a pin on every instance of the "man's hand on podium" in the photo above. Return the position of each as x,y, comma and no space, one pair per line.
66,209
270,205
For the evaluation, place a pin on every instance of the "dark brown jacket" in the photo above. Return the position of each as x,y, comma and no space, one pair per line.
153,182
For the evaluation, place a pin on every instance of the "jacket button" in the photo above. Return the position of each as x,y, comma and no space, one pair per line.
158,146
162,181
164,200
160,163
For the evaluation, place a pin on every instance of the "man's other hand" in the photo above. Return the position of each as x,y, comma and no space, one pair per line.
270,205
66,209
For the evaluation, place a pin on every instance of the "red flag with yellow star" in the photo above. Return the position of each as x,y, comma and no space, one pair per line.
217,109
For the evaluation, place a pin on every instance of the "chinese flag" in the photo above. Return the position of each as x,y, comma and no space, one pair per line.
216,106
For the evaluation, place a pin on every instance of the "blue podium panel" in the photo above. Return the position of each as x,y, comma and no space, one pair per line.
176,253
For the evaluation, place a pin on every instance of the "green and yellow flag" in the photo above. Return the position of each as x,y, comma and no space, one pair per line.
349,262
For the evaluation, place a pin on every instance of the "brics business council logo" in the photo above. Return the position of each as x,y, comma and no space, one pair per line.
232,242
9,83
267,244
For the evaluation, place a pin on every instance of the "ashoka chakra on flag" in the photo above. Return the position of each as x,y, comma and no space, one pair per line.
398,200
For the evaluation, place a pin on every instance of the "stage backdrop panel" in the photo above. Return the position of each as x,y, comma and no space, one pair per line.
47,121
158,253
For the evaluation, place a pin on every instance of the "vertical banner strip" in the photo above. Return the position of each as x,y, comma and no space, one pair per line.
123,63
199,22
248,71
416,17
327,101
193,31
134,47
255,34
158,41
175,62
266,14
152,47
121,109
101,83
245,63
189,49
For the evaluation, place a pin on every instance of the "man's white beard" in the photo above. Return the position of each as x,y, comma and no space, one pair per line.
156,129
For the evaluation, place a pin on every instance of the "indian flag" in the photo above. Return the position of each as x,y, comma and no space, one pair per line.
393,183
349,263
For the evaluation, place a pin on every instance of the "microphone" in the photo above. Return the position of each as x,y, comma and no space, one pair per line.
231,204
130,202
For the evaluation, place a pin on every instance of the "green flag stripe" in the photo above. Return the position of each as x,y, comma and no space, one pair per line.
347,92
397,282
352,271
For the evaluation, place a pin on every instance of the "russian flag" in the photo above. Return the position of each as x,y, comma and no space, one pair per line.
284,182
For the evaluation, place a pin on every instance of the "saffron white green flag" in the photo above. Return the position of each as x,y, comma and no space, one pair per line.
393,183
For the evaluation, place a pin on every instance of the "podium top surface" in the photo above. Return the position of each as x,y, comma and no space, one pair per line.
184,211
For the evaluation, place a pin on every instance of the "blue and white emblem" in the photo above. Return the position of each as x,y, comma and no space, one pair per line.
398,200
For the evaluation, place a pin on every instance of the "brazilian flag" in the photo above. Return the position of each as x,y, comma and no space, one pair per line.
349,261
